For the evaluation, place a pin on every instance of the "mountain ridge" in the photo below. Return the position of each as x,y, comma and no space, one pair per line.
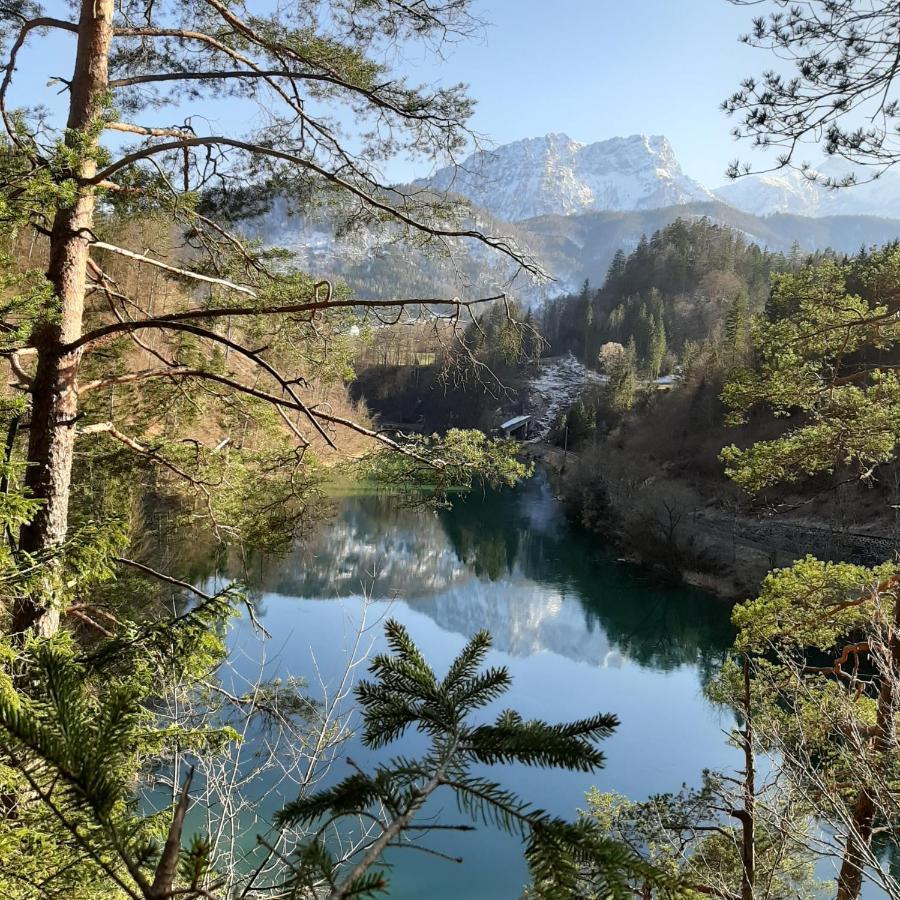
571,232
555,174
790,190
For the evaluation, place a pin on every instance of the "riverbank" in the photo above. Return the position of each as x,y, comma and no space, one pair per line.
704,533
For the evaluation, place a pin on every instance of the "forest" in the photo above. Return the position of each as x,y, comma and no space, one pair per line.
184,405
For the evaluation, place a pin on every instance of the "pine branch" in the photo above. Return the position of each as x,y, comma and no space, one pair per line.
404,692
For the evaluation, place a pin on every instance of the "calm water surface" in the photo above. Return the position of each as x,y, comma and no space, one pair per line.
579,632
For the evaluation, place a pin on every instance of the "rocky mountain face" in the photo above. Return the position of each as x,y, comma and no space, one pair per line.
554,175
572,206
804,194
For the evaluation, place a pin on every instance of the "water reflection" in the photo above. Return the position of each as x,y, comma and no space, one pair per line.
508,562
579,632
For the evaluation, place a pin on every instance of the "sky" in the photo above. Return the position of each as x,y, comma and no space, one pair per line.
592,69
596,69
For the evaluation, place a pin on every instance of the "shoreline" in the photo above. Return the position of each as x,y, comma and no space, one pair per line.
738,549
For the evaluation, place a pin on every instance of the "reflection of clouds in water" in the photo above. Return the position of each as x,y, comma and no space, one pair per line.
524,617
414,560
350,557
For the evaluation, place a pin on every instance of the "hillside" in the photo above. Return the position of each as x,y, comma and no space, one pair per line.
570,247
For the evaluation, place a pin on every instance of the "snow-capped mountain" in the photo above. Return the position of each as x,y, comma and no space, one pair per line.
570,206
554,175
787,191
804,194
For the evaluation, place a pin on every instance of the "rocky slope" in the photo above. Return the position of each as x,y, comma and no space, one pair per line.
572,206
554,175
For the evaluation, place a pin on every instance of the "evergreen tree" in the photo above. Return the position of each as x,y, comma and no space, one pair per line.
586,319
622,384
820,359
532,341
657,347
818,365
616,267
74,740
737,331
690,355
688,274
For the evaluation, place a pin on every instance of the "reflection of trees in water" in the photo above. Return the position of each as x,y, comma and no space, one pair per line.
481,538
501,531
658,626
664,628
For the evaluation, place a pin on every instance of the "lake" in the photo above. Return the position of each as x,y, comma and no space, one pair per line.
579,631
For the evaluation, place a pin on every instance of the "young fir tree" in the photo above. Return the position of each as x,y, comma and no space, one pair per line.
75,739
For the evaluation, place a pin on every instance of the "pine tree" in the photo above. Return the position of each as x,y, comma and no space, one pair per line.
818,365
616,268
623,379
71,182
834,73
586,319
737,331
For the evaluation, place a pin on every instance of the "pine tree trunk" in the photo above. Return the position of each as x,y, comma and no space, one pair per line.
748,814
850,878
55,387
851,875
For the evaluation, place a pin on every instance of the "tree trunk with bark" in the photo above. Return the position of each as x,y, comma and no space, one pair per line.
850,877
54,392
747,816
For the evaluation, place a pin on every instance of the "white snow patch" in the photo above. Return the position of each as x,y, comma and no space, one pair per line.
560,383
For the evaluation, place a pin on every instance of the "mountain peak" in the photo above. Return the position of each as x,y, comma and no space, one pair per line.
788,190
554,174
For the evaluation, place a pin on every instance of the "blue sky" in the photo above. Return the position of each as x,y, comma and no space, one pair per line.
592,69
600,68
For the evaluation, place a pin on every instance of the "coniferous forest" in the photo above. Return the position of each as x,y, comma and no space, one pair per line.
345,511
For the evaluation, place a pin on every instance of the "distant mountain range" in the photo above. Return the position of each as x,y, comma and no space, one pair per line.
554,175
803,194
573,205
579,247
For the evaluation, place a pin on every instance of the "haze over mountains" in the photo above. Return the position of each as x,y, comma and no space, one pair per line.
791,191
573,205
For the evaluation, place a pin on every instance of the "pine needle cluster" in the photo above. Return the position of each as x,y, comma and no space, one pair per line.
406,695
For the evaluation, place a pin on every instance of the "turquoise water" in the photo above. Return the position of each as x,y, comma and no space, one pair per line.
579,632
